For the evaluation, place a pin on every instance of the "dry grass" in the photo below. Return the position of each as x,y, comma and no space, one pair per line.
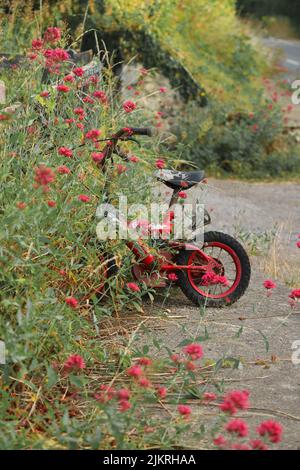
281,261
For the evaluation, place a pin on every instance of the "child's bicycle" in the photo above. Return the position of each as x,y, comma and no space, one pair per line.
216,275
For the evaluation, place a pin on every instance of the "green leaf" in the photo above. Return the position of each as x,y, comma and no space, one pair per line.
266,341
52,377
76,380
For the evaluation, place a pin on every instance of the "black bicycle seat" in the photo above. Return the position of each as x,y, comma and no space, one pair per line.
180,179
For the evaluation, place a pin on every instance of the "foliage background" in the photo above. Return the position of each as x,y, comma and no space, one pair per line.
48,253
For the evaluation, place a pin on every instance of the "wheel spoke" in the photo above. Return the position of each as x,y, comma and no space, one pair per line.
226,266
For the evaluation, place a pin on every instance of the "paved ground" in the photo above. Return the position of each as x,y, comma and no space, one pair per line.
271,377
290,51
289,59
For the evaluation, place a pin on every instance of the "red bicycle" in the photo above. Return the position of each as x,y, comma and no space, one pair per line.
215,275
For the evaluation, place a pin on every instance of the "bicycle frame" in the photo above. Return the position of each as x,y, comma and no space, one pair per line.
140,250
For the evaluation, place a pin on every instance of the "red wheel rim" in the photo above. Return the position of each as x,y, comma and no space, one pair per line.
225,291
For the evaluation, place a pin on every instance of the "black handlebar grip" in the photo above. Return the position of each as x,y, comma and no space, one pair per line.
142,131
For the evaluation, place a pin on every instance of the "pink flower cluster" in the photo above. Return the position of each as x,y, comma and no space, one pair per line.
65,151
269,284
234,401
74,362
211,278
129,106
271,429
43,176
101,96
193,350
160,163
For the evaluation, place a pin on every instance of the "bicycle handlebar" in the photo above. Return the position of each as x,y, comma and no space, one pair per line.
123,135
141,131
130,131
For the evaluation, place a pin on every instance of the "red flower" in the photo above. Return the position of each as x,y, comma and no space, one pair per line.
160,163
107,393
69,78
88,99
298,244
44,175
295,294
237,399
129,106
172,277
144,361
271,429
63,88
71,301
124,394
238,426
37,44
145,383
63,170
134,159
4,117
52,34
268,284
162,89
101,96
98,156
32,56
207,396
94,79
55,56
51,203
182,194
21,205
133,287
195,351
93,134
44,94
124,405
220,441
190,365
74,362
78,71
257,444
162,392
176,358
84,198
213,279
184,410
65,151
69,120
78,111
121,169
134,371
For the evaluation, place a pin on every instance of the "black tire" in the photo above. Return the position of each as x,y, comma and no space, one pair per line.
197,298
111,271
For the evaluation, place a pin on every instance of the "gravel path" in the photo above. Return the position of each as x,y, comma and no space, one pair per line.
269,325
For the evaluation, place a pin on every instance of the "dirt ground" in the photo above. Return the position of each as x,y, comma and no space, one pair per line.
270,326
